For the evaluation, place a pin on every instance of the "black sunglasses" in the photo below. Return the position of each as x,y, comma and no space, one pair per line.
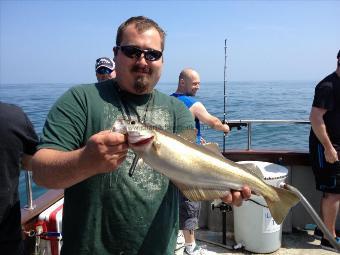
135,52
104,71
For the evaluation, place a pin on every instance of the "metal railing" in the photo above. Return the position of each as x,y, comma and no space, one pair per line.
248,123
28,178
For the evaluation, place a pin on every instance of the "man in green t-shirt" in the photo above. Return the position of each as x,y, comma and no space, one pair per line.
105,210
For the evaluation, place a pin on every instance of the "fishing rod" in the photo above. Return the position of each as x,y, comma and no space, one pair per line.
239,124
224,90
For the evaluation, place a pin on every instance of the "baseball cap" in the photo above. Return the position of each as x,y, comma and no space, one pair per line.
105,62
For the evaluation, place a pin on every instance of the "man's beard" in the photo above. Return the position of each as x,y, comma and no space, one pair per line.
141,85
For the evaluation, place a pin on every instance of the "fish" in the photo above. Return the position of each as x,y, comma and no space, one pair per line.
202,173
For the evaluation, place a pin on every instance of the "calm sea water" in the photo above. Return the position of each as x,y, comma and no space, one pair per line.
244,100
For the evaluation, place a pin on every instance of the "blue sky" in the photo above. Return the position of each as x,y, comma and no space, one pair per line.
58,41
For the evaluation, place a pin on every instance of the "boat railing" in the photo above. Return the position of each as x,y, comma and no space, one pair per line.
248,123
28,178
232,123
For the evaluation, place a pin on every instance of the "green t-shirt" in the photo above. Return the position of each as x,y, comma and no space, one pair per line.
114,213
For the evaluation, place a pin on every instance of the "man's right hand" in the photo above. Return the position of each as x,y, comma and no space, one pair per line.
226,128
104,151
331,155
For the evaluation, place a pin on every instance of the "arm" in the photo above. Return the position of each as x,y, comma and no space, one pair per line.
103,153
200,112
319,128
26,162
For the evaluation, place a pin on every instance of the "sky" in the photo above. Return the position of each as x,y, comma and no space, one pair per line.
59,41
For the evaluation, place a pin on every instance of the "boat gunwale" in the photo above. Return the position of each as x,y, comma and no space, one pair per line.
282,157
41,203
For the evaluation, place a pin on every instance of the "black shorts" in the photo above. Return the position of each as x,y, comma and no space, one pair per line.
188,213
327,176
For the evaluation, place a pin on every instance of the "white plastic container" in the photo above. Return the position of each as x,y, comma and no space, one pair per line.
254,226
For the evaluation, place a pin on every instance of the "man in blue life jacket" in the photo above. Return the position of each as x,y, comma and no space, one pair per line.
188,85
324,146
105,69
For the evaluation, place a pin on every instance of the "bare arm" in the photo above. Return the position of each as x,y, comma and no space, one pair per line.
200,112
26,162
319,128
104,152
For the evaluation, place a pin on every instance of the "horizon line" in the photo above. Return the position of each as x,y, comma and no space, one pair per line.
163,82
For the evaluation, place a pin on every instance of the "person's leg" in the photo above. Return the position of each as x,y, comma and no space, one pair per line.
190,243
329,210
329,183
188,219
189,236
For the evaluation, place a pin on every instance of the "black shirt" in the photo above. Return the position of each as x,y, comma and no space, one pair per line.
17,137
327,96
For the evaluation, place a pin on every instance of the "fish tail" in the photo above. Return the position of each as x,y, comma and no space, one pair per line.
280,208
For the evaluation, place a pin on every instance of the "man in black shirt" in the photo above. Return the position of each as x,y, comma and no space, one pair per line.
17,145
324,143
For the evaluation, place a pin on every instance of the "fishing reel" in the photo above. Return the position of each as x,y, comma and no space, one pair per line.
237,125
217,203
224,208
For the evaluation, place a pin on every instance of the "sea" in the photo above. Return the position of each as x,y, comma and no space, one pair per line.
238,100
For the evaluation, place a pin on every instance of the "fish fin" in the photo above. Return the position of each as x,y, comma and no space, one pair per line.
214,148
252,169
156,145
199,194
188,134
280,208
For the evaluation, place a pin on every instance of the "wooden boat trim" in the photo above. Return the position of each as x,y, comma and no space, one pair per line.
41,204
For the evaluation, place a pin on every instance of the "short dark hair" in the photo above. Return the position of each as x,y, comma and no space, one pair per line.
142,24
338,56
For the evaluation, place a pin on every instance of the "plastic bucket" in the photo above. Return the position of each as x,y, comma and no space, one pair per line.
254,226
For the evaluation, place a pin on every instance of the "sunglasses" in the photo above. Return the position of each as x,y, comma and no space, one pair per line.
135,52
104,71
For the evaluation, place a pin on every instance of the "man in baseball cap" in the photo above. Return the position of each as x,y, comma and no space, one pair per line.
105,69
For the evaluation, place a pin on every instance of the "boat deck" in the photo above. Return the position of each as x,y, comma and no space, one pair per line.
300,242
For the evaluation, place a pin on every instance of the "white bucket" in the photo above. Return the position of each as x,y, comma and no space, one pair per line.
254,226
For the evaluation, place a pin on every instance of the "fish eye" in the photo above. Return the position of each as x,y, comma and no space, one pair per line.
133,122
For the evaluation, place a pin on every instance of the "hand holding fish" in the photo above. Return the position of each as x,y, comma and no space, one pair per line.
236,197
105,151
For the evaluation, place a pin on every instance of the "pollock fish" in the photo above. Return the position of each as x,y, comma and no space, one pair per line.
200,172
